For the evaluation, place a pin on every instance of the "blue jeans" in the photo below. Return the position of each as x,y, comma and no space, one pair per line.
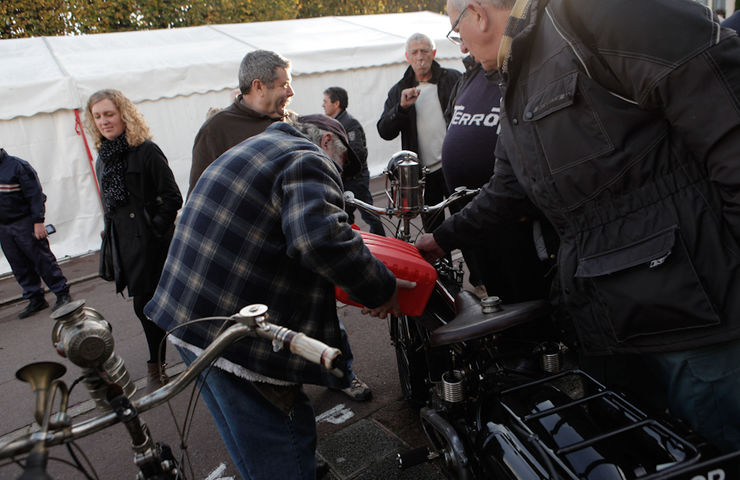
347,351
701,386
264,442
338,383
435,191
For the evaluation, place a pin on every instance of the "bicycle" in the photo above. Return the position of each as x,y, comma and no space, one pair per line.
83,336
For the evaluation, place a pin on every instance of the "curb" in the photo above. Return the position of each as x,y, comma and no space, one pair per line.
17,298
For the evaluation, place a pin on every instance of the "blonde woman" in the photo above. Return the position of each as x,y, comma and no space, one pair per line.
140,199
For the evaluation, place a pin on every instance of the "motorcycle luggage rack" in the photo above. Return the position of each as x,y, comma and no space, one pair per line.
593,391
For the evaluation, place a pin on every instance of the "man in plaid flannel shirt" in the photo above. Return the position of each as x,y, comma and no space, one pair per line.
266,224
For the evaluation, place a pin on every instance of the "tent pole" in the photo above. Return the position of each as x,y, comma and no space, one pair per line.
80,130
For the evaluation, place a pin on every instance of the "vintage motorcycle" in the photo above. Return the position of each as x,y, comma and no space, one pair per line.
499,389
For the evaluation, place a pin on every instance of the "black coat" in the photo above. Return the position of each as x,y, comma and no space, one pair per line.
627,136
140,230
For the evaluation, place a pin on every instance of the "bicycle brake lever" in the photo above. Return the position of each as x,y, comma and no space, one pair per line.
251,315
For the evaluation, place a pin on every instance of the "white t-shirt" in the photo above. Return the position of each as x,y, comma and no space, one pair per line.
430,126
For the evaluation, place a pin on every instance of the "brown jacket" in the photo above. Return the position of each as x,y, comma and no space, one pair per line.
223,130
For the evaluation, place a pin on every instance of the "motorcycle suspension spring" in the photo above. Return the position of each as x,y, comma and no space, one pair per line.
452,386
551,357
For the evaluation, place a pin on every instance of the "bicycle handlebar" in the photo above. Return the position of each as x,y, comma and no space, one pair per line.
349,197
251,321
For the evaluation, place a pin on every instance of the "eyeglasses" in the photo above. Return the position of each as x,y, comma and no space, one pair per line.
453,36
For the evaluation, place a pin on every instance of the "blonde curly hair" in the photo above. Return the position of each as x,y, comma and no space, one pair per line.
137,131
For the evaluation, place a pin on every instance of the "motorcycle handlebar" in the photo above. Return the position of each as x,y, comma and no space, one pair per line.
349,198
459,193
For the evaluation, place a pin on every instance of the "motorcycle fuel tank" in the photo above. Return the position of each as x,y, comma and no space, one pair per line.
404,260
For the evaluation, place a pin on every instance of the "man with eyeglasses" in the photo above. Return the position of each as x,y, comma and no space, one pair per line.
415,109
620,121
506,262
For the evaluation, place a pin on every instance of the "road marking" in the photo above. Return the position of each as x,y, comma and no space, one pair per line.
336,415
216,474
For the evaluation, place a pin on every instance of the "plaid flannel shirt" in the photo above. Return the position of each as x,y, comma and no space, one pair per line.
265,224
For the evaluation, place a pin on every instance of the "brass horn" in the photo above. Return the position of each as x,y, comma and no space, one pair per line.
40,375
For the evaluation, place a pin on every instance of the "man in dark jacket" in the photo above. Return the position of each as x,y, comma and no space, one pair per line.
335,105
264,82
23,235
626,135
415,108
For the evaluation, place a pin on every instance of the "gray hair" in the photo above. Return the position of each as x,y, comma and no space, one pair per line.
314,134
420,37
498,4
260,65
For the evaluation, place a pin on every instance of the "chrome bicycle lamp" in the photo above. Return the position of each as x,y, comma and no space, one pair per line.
84,336
407,176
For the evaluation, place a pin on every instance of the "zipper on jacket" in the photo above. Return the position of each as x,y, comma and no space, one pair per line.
580,59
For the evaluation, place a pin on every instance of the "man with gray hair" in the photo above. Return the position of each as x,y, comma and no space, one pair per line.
266,224
415,108
626,135
264,83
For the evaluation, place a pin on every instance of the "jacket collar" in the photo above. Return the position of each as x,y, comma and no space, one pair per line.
470,63
249,111
409,76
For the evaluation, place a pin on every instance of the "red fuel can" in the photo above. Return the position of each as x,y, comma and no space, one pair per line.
404,260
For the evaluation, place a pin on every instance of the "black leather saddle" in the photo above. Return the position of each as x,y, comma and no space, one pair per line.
470,322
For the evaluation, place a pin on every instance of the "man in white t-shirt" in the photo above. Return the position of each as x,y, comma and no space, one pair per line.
414,108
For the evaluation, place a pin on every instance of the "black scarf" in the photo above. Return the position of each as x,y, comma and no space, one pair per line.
112,180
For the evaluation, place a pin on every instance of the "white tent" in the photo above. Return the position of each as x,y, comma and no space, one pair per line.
174,76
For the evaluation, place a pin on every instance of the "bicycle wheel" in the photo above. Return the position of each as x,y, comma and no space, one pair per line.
410,358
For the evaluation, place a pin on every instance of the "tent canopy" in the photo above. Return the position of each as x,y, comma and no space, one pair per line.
174,76
47,74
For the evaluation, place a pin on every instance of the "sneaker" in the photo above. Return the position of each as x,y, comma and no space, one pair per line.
34,305
62,300
358,390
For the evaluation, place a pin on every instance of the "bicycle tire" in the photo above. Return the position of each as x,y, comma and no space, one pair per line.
413,371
